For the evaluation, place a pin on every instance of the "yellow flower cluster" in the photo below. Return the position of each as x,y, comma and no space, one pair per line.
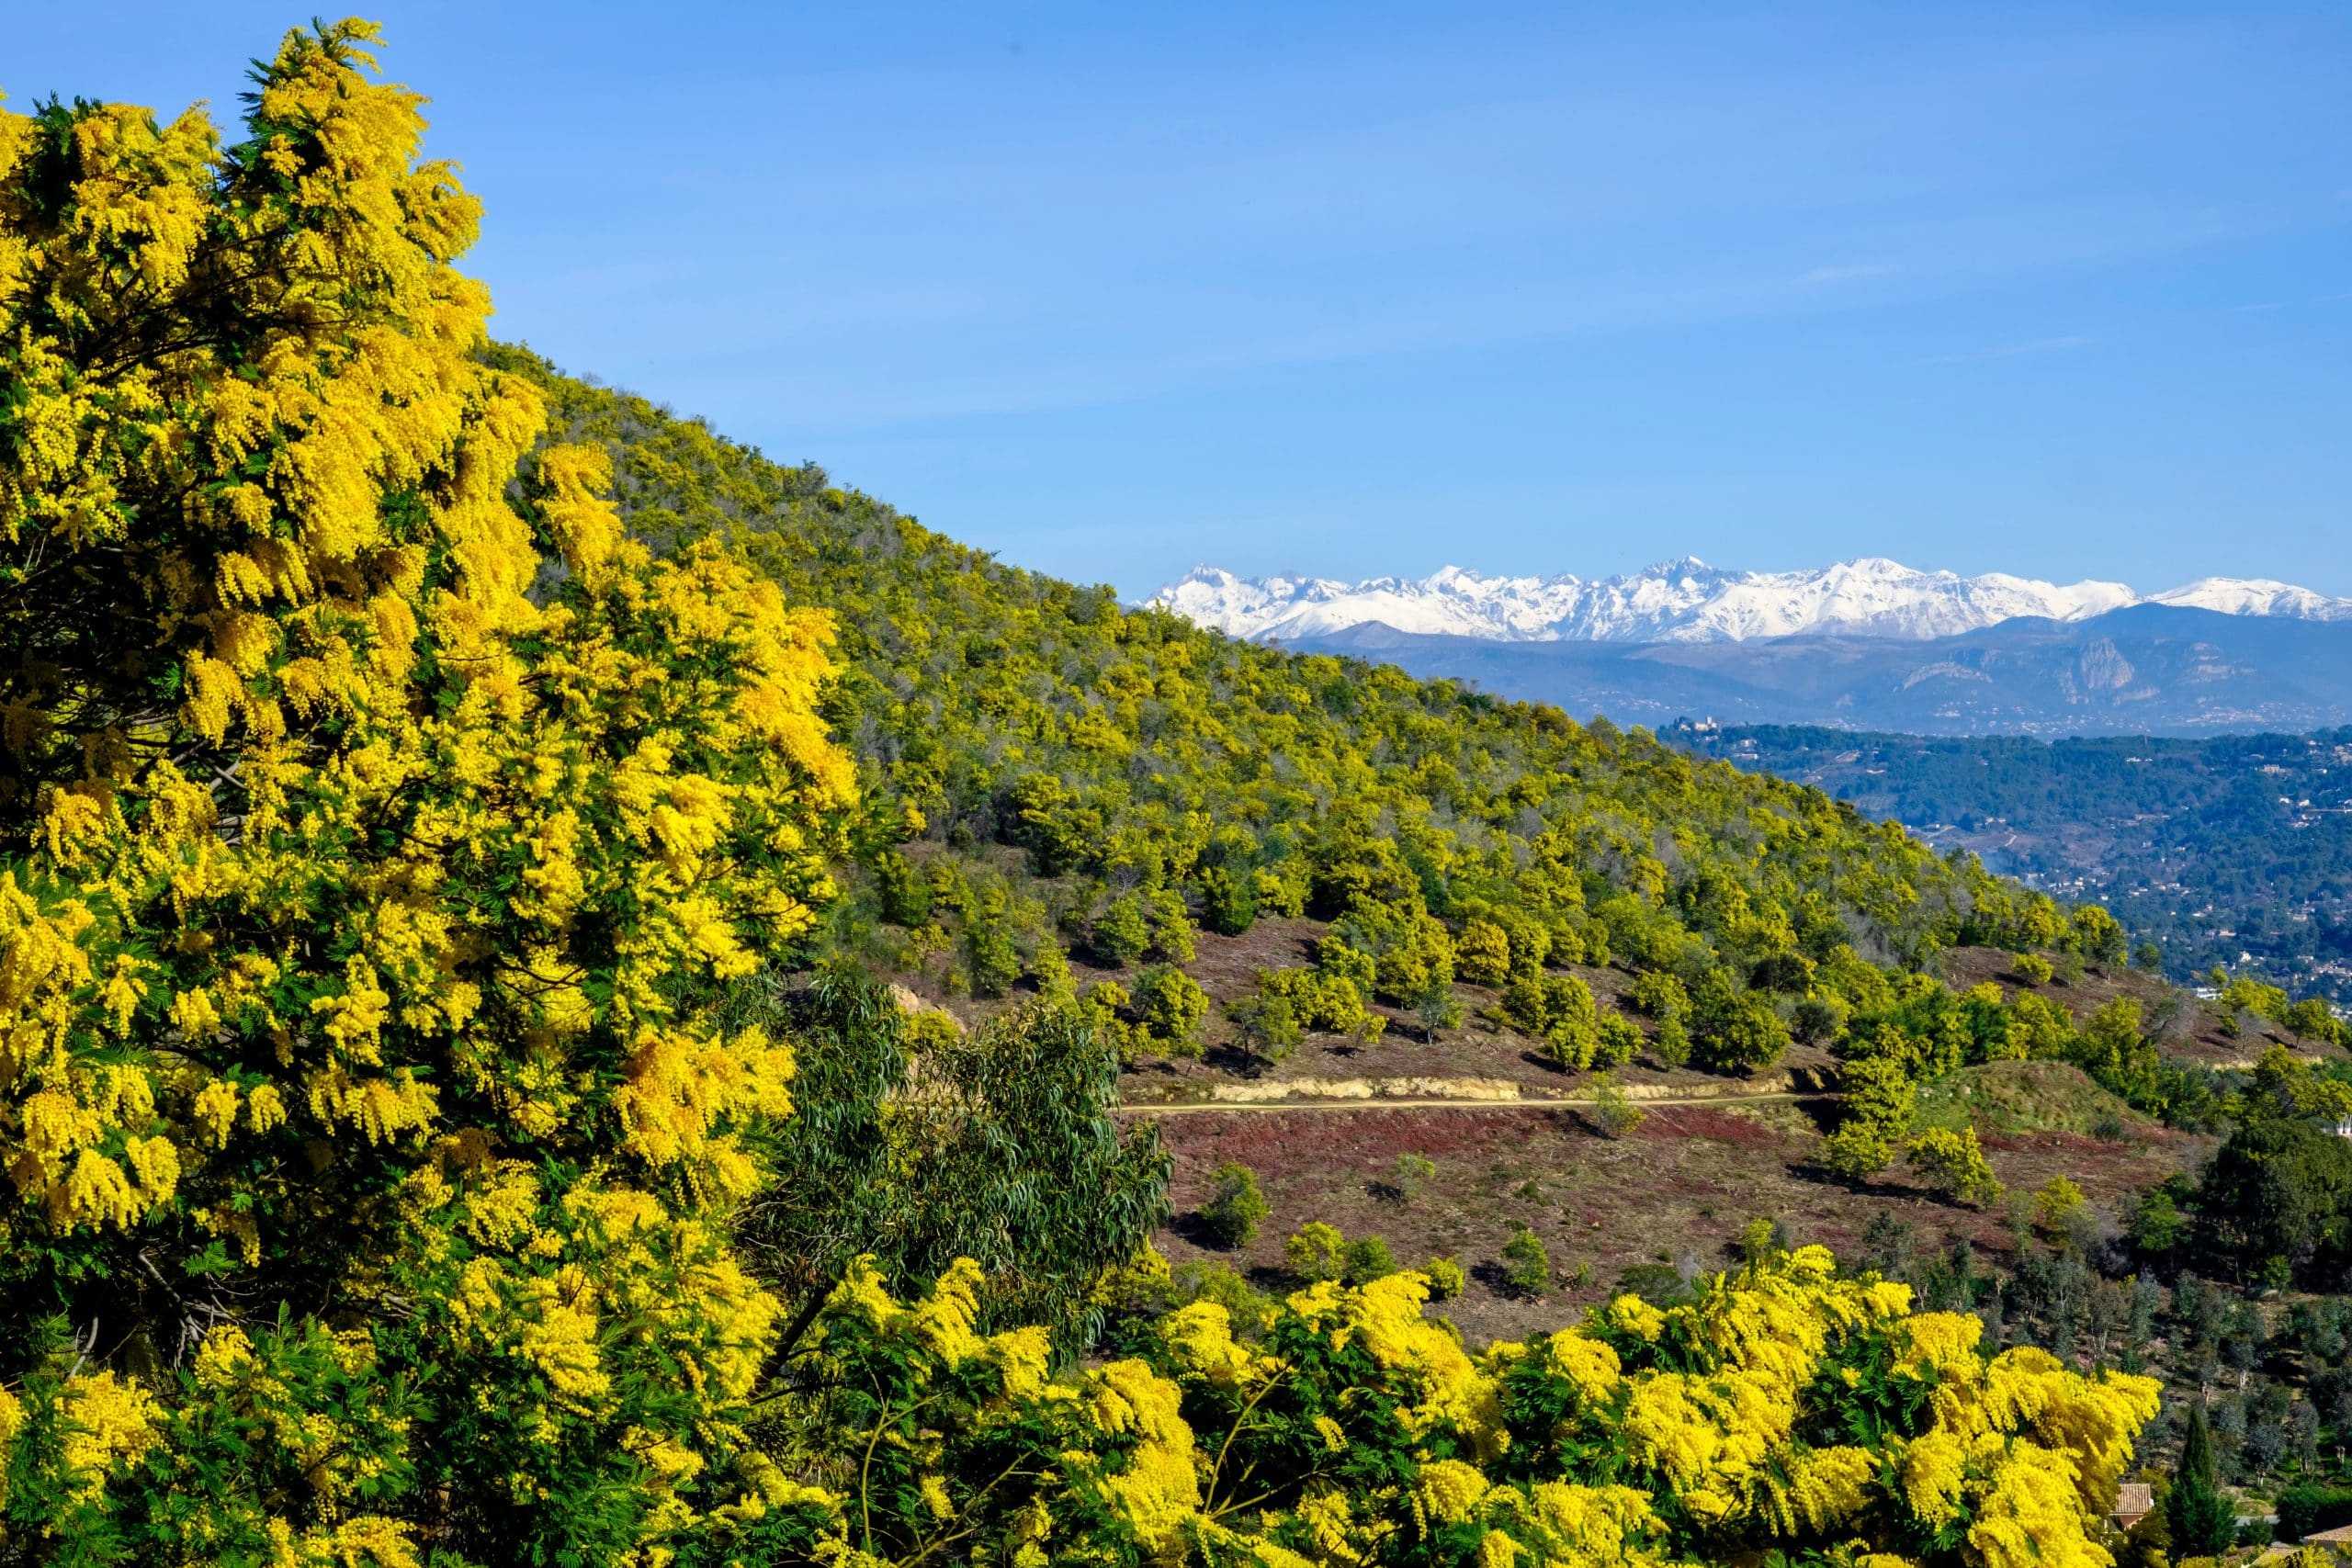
106,1422
1667,1436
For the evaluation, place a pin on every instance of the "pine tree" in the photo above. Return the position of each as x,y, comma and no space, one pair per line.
2204,1523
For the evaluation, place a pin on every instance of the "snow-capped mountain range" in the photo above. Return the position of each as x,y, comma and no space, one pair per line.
1689,600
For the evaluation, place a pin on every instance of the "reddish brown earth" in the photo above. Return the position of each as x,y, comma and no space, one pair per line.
1678,1189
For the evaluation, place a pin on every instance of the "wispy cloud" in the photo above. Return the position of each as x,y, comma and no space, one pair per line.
2014,350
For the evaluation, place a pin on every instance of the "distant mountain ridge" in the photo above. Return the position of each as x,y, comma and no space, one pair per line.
1688,601
2156,669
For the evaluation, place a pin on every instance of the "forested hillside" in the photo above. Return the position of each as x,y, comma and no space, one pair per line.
1153,776
2235,850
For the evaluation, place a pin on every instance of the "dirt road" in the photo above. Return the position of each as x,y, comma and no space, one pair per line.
1328,1106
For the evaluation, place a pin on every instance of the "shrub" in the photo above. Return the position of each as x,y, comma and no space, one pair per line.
1235,1206
1246,1306
1660,995
1661,1284
1764,1239
1315,1252
2157,1225
1878,1103
1268,1025
1733,1032
1613,1110
901,887
1120,934
1953,1167
1366,1259
1171,1007
1318,999
1412,1171
2031,970
991,961
1445,1279
1105,1007
1482,954
1818,1019
933,1028
1559,1009
1437,1007
1788,972
1171,927
1617,1041
2310,1506
1228,903
1280,890
1856,1150
1337,958
1526,1267
2055,1205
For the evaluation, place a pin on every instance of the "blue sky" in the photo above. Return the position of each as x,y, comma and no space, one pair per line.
1360,288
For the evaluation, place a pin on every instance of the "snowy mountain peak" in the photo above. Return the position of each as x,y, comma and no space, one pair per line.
1689,600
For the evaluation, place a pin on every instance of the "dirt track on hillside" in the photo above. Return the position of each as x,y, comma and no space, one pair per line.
1328,1106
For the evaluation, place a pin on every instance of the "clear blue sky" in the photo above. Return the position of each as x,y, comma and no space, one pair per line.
1113,289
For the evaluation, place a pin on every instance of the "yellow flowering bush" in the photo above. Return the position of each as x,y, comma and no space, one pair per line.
376,819
1785,1409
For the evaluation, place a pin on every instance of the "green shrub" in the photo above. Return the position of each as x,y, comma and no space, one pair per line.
2312,1505
1660,995
931,1030
1613,1110
1953,1166
1558,1009
1734,1031
1318,999
1446,1277
1228,902
2055,1205
1315,1252
901,888
992,959
1268,1025
1171,927
1436,1008
1120,934
1411,1173
1235,1206
1661,1284
2031,968
1171,1007
1482,954
1366,1259
1526,1267
1246,1306
1337,958
1617,1041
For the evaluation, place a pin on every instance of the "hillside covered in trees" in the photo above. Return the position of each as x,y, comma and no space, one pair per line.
460,832
1046,771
